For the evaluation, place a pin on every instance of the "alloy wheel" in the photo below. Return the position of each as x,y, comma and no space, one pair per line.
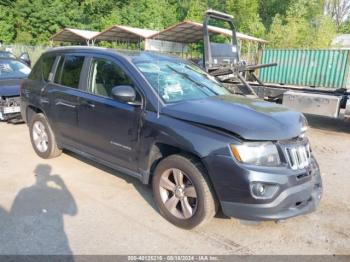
40,136
178,193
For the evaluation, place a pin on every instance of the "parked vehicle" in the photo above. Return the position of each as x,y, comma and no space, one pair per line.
310,81
24,57
12,72
6,54
166,122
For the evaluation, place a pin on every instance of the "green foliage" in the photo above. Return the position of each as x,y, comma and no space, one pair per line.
345,27
195,10
7,27
304,26
148,14
286,23
245,13
268,9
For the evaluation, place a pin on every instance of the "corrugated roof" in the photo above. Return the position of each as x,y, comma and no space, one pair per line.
73,35
184,32
190,32
124,33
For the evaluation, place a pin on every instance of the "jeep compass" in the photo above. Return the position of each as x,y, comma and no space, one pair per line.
165,121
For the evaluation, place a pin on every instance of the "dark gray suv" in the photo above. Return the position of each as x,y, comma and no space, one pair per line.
165,121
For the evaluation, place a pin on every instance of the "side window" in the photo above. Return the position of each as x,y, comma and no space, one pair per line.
104,75
68,71
47,64
35,74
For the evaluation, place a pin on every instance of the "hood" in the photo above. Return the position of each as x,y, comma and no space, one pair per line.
249,118
10,87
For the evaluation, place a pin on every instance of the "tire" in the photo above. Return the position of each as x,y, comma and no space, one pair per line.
47,148
184,207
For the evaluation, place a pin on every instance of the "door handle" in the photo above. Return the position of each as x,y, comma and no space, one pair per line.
65,104
87,103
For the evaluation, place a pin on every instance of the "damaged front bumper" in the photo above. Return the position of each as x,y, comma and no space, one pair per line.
10,108
294,201
289,192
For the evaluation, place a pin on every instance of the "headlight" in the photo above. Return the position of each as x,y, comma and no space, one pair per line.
304,124
256,153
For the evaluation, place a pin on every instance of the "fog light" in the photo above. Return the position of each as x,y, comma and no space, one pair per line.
258,189
262,190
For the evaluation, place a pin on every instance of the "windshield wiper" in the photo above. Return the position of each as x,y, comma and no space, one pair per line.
187,76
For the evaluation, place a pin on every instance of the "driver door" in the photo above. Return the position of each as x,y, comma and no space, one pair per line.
108,128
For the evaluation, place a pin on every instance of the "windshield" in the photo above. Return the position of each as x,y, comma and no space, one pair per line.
6,54
13,69
176,80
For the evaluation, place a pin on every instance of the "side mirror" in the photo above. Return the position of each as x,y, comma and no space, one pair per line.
24,57
124,94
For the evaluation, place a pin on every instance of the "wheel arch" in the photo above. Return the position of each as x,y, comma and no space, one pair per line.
31,111
161,150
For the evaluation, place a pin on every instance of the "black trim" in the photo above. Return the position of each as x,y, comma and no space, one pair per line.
143,177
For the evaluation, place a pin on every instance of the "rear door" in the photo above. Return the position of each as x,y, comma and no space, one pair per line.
109,128
35,87
63,93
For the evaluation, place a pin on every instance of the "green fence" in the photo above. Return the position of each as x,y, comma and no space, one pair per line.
314,68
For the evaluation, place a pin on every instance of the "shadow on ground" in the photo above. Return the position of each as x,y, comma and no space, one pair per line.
35,224
329,124
144,190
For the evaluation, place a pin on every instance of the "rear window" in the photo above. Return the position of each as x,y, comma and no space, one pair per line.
68,71
35,74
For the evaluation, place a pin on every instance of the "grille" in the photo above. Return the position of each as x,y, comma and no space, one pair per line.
298,155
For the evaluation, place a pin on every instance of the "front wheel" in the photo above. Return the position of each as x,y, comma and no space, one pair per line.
183,192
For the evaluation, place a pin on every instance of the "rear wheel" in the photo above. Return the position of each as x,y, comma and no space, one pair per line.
183,192
42,137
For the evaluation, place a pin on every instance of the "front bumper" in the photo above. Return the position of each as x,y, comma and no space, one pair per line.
299,191
10,108
293,201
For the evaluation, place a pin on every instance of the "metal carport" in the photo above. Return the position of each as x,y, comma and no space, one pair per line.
74,36
121,33
191,32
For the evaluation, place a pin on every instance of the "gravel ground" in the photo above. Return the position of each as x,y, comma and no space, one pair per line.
69,205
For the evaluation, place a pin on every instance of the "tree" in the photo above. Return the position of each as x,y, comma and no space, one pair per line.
338,10
268,9
304,26
148,14
345,27
99,13
195,10
288,23
7,28
36,20
246,17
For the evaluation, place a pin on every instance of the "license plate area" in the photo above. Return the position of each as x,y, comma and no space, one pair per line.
11,109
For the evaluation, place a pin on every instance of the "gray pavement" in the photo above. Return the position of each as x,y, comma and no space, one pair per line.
69,205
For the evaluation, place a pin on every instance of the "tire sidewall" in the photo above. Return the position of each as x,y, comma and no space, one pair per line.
194,174
41,118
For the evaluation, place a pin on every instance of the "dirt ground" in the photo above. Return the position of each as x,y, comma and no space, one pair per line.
69,205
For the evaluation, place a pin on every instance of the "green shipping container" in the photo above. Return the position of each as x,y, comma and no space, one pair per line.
311,68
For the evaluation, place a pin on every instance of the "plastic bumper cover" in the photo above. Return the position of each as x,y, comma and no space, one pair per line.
293,201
